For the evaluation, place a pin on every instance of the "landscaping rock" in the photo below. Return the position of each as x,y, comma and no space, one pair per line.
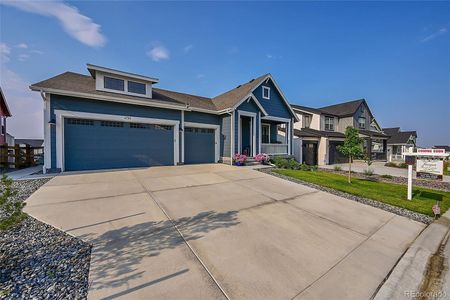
38,261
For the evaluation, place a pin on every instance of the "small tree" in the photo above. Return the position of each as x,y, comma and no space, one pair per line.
351,148
10,209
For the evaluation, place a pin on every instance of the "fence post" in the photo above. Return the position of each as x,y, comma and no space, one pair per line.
17,162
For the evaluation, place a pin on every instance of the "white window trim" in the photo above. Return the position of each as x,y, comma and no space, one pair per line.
267,125
265,88
100,85
325,123
216,136
253,125
61,114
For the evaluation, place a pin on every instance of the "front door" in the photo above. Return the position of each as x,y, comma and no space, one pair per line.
246,136
310,153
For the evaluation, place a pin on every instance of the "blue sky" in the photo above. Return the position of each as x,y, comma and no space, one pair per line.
395,55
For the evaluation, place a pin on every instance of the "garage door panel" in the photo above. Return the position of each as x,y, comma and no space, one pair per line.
199,145
90,144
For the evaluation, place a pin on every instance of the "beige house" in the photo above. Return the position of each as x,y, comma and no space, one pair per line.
321,130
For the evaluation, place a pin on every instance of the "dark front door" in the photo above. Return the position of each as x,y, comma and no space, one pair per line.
335,157
246,136
309,153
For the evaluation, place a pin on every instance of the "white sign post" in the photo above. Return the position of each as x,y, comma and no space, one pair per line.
410,177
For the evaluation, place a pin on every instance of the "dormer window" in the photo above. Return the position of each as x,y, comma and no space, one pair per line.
114,83
136,87
266,92
362,122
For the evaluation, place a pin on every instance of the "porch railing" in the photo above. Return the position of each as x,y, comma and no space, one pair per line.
397,157
274,149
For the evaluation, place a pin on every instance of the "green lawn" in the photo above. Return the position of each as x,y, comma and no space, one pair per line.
394,194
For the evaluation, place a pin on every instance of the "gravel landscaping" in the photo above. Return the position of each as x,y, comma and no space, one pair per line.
38,261
393,209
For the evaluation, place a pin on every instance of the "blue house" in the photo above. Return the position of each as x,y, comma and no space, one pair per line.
114,119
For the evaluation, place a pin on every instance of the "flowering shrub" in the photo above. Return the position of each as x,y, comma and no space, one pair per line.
262,158
239,159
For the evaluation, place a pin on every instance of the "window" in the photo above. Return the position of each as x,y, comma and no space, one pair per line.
136,87
265,135
362,122
111,124
80,122
377,145
199,130
266,92
329,123
3,125
114,84
306,121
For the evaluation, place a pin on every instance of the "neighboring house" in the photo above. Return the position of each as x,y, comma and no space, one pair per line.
399,142
10,140
29,142
447,148
321,130
4,113
114,119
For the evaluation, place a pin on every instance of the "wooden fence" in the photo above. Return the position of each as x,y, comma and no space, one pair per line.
16,157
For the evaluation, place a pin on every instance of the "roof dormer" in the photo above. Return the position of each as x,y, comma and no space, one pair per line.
114,81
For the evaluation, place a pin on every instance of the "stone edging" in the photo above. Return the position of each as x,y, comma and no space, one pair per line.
387,207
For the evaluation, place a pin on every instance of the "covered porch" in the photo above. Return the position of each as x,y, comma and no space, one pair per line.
276,137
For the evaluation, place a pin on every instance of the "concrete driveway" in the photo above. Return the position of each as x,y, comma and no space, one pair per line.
216,231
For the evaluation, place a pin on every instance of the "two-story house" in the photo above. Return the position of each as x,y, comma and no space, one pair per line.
321,130
399,143
4,113
114,119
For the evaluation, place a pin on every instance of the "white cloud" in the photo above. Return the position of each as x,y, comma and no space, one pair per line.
435,34
23,57
22,46
158,53
77,25
25,105
188,48
271,56
5,51
36,52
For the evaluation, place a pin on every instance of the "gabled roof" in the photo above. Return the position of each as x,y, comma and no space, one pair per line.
4,104
79,85
306,109
397,136
372,133
308,132
345,109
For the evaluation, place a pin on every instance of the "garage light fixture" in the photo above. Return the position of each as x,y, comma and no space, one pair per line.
52,122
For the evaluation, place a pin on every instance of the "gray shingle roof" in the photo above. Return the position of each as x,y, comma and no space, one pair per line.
342,109
74,82
397,136
306,108
308,132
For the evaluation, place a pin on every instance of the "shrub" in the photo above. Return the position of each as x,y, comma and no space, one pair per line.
368,172
10,209
390,164
402,165
284,163
337,168
386,176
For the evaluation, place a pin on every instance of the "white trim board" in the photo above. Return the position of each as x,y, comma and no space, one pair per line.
216,136
253,129
251,96
61,114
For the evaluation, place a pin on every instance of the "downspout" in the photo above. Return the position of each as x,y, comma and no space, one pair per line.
232,136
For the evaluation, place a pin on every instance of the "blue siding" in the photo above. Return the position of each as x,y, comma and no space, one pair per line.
199,146
92,147
59,102
249,106
225,135
275,106
198,117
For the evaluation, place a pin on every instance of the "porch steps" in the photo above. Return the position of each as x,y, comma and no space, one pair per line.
251,161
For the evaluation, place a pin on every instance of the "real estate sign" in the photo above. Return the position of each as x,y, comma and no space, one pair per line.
429,168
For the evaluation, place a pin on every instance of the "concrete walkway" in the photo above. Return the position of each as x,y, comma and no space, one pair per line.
24,173
378,168
216,231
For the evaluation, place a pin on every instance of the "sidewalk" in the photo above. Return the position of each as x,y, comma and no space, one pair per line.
26,173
